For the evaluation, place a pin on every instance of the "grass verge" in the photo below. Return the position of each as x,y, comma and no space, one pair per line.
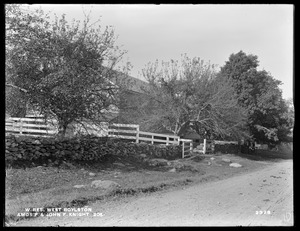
52,187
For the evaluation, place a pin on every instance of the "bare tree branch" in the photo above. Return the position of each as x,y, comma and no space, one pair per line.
14,86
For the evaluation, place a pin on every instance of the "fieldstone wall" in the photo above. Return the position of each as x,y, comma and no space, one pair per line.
227,148
20,150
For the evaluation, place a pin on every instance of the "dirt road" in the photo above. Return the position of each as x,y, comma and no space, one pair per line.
263,197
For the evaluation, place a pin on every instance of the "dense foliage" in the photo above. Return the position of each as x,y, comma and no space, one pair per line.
268,116
188,95
63,70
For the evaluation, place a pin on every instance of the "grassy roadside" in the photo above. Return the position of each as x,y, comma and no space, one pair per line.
48,187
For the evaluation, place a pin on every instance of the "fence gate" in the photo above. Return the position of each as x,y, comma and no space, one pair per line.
187,147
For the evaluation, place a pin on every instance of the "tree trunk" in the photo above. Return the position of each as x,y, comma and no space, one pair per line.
62,127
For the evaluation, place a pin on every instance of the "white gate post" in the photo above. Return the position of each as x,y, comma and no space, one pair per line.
204,146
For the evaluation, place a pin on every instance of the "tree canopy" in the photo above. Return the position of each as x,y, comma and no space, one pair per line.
187,94
239,101
67,71
63,69
258,92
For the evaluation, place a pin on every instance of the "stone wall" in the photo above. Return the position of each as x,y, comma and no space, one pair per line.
86,148
227,148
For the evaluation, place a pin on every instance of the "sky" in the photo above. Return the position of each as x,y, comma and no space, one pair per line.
211,32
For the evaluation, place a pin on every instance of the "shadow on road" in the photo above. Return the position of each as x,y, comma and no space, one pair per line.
267,155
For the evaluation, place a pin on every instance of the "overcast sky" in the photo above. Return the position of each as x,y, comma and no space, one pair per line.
211,32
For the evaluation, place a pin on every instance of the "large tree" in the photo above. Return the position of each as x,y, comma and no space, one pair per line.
187,94
17,20
63,69
258,92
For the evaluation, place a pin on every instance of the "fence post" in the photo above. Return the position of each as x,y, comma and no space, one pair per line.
167,140
191,146
204,146
13,125
182,149
137,133
152,137
213,146
21,127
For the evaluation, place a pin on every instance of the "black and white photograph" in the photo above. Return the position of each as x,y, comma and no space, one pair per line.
149,115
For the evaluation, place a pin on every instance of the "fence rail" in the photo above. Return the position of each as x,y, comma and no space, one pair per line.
29,126
42,128
130,131
124,131
225,142
158,138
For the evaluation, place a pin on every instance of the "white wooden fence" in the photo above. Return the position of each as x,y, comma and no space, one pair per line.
124,131
131,131
30,127
40,128
158,138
